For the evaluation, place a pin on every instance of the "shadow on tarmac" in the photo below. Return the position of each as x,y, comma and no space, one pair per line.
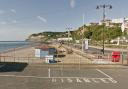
12,67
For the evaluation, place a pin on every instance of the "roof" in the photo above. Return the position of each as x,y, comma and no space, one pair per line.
43,47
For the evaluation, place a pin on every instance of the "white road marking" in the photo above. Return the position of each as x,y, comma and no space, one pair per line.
69,80
49,73
7,75
86,80
104,73
62,80
104,81
113,81
53,80
94,80
78,80
109,78
47,77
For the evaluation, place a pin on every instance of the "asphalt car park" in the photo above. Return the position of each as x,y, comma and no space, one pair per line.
24,76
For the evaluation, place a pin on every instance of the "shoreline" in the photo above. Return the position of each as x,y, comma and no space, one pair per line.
18,48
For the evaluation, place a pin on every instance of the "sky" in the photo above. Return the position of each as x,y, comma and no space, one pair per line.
20,18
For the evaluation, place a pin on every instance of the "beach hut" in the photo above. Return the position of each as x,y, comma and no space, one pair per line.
46,52
41,51
52,51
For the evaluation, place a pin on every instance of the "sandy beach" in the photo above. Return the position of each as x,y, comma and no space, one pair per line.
27,54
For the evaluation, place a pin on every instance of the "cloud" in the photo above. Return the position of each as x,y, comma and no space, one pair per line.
14,21
72,3
2,11
13,10
42,19
3,23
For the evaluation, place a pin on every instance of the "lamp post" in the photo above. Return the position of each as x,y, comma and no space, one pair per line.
104,8
69,28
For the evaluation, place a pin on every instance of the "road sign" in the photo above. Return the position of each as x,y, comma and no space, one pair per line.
86,44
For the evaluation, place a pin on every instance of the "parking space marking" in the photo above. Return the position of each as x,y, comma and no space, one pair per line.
62,80
49,73
103,80
84,80
95,81
68,79
103,73
45,77
78,80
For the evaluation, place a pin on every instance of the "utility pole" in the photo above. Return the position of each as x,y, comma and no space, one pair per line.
104,8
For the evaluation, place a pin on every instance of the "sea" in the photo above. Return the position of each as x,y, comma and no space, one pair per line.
8,45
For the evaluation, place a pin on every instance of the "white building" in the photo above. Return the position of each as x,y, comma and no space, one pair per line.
120,20
65,39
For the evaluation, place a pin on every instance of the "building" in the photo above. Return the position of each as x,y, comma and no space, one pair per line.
119,40
65,39
120,20
106,22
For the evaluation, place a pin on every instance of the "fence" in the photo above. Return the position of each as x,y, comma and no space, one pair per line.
21,59
96,57
75,58
78,57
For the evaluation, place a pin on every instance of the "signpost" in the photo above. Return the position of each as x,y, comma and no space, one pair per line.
86,44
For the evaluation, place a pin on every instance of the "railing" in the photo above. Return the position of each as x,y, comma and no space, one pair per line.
21,59
77,57
71,59
98,58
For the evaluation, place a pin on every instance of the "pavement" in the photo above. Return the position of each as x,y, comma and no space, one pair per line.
24,76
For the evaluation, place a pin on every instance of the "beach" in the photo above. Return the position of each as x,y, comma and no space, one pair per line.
27,54
19,54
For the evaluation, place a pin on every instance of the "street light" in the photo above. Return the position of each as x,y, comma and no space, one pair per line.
103,7
68,28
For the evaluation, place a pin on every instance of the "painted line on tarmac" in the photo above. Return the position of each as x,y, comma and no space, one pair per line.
47,77
49,73
109,77
67,79
104,73
84,80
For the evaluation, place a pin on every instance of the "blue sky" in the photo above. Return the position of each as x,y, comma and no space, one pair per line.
20,18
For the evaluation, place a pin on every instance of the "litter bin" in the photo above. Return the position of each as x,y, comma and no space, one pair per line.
115,56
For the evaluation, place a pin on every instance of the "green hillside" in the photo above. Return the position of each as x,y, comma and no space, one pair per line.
93,32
